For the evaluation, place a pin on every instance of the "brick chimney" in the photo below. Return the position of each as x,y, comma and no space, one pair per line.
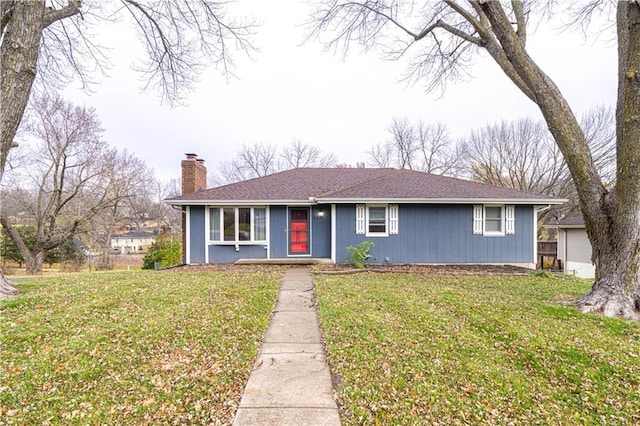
194,174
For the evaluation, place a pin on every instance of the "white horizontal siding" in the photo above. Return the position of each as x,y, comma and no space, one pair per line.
578,250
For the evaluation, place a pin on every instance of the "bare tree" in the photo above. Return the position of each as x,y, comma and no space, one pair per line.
523,155
599,126
301,154
249,162
519,154
130,181
416,146
167,217
146,208
440,40
53,41
405,144
382,155
263,159
70,176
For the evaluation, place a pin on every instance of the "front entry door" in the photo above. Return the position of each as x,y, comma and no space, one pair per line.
299,241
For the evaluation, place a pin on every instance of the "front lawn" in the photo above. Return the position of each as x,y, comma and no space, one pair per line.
132,347
418,349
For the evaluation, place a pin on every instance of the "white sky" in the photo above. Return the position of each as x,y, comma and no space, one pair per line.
299,91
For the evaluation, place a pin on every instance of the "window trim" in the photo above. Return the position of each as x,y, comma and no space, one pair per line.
500,233
386,221
236,212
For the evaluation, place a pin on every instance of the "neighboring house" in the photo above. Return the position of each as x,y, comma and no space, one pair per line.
132,242
316,213
574,248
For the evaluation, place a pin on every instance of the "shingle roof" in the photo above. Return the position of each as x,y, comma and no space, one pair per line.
136,234
343,184
571,222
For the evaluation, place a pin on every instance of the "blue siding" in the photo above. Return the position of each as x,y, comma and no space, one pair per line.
278,230
439,234
228,253
197,234
428,233
198,238
321,231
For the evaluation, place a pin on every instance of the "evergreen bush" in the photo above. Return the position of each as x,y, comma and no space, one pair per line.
164,250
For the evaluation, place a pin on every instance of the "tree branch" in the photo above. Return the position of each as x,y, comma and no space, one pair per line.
458,33
477,25
559,117
518,11
52,15
6,13
388,18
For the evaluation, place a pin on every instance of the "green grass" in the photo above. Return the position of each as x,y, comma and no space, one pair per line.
416,349
132,347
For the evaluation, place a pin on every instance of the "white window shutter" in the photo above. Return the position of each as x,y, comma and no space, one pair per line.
510,219
393,219
477,219
360,218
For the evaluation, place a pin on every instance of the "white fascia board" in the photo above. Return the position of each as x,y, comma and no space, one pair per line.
441,201
555,225
365,201
251,203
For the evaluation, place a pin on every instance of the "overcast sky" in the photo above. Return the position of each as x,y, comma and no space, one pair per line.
291,91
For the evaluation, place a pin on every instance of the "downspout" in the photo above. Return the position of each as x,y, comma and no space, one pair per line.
566,251
333,233
548,206
187,235
207,227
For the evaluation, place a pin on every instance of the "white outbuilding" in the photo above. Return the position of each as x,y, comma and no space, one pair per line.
574,248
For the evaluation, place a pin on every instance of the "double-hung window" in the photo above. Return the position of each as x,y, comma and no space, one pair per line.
237,224
494,220
376,220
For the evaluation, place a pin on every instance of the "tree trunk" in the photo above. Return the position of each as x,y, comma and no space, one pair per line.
616,240
616,254
34,262
18,60
30,257
612,218
6,289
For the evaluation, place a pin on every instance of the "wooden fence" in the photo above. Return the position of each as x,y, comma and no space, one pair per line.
548,249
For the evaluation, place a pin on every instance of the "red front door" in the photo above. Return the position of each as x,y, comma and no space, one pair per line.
299,231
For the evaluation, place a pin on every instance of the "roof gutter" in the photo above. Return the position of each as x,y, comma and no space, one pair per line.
444,201
240,202
312,201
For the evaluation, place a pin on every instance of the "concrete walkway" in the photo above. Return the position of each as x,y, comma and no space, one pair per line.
291,382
